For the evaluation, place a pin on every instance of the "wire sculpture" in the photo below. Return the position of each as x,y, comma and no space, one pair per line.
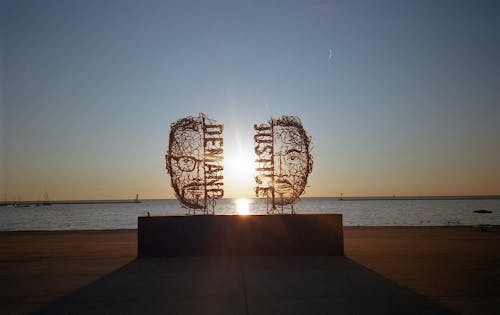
194,162
283,163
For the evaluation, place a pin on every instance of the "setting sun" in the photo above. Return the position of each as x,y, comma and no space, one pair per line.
240,164
239,170
243,206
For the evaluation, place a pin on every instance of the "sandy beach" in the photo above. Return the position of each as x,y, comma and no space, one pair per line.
458,267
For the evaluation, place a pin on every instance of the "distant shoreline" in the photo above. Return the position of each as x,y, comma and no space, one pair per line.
417,197
354,198
75,202
492,228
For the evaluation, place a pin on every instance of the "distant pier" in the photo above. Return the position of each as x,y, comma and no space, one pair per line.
65,202
47,202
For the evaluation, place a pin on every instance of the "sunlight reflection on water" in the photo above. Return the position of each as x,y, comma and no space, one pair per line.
242,206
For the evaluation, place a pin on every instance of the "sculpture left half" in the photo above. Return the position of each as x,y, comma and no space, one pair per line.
194,161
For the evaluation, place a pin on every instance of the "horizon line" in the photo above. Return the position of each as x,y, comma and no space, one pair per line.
340,198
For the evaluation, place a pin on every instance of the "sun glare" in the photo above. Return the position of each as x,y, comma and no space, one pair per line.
241,164
239,172
243,206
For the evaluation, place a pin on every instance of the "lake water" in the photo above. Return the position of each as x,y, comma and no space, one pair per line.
420,212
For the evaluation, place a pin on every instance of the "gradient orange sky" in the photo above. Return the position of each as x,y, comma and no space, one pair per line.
399,98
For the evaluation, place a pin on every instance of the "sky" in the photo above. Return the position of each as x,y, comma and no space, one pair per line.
399,97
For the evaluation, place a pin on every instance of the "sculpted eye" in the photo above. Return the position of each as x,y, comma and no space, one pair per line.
292,151
292,155
187,163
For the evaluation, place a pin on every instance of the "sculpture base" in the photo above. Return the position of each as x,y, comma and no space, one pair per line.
238,235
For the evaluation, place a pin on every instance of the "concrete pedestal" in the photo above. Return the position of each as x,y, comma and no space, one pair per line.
237,235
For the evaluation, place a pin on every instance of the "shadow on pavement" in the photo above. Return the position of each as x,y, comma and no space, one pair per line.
244,285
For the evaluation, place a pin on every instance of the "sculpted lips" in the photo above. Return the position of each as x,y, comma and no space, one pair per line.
283,185
193,187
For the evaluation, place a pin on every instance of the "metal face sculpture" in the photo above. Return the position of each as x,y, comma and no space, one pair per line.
194,162
284,162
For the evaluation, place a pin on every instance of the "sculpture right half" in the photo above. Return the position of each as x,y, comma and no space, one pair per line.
283,163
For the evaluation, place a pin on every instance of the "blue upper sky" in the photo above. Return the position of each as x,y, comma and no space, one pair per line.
400,97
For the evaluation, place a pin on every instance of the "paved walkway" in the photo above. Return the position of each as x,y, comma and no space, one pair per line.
244,285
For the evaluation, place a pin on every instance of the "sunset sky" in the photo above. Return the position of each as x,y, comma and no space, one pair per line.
400,97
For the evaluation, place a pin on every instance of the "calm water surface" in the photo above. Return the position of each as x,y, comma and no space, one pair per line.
355,212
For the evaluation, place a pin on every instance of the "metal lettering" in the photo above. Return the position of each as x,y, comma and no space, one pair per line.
283,162
194,162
